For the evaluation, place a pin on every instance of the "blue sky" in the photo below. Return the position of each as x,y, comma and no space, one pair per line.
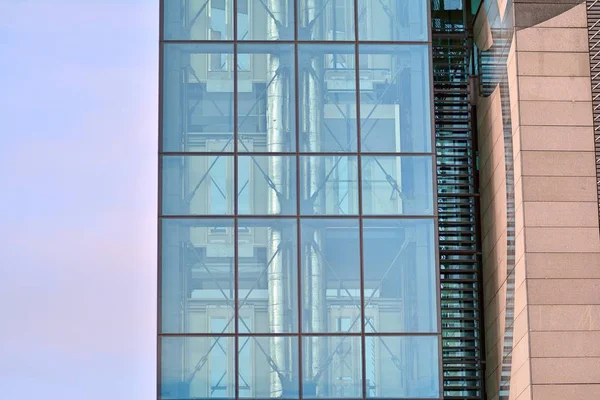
78,115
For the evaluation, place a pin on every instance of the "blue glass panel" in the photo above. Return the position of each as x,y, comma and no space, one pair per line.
266,87
197,368
197,185
270,185
327,85
268,275
400,275
330,275
334,366
395,97
327,20
198,19
198,97
329,185
397,185
197,273
265,20
268,367
393,20
402,367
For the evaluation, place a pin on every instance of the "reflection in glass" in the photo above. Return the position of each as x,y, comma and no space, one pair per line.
392,20
397,185
198,19
197,276
327,85
265,20
400,275
268,275
329,185
269,186
332,367
268,367
266,87
197,185
326,20
330,275
395,113
198,97
402,367
197,367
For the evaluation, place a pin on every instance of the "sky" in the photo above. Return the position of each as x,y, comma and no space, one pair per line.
78,143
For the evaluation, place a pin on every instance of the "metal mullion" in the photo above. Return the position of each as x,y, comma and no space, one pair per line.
161,60
296,130
298,334
292,41
308,216
293,153
363,355
236,378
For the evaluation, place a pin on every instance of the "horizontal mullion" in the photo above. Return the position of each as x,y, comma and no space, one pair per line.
303,334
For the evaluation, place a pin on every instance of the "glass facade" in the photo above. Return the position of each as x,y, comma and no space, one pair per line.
298,226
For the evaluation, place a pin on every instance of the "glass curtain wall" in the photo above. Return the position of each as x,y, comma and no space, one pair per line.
297,239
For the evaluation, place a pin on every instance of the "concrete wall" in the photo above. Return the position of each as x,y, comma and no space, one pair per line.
556,320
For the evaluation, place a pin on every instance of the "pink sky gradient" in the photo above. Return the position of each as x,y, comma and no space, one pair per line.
78,199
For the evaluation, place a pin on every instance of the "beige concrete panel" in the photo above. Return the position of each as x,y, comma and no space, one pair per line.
482,30
564,317
575,17
557,138
565,370
563,291
565,344
520,379
555,214
494,334
493,359
496,282
562,240
520,353
555,88
543,113
520,326
564,392
569,40
557,163
495,307
520,271
520,299
525,394
520,244
563,265
542,188
553,64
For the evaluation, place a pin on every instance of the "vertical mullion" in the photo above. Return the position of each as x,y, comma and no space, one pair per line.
363,356
235,207
298,201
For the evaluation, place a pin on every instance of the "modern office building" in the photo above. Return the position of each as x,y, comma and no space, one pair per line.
379,199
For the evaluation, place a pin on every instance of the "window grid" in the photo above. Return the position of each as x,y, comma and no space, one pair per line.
362,334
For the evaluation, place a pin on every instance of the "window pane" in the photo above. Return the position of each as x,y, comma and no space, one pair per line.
197,367
329,185
327,84
270,185
266,87
268,367
330,275
267,20
397,185
395,112
403,367
268,275
393,20
331,20
333,365
198,19
198,97
197,292
400,275
197,185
